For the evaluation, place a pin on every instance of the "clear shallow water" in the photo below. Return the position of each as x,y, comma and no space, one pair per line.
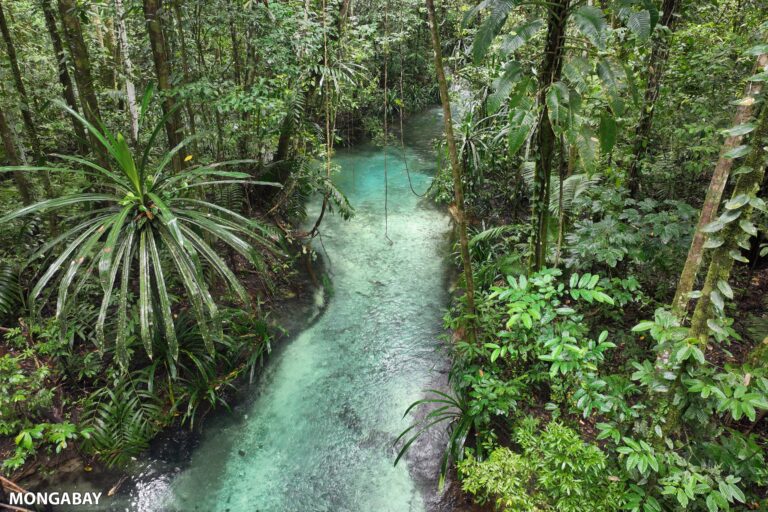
317,432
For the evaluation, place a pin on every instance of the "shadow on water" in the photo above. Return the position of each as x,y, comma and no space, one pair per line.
316,432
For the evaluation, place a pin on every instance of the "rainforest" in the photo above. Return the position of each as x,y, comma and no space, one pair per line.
384,255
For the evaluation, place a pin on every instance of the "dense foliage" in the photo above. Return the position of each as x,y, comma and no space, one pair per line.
587,136
158,156
604,163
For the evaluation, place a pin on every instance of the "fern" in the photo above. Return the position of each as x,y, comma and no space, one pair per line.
491,234
521,35
591,23
123,418
640,24
230,196
10,290
573,187
497,17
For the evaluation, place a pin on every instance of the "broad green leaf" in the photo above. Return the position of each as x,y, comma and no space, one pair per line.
125,246
490,28
737,152
52,204
645,325
736,255
713,227
725,288
504,85
713,243
59,262
739,130
737,202
218,264
105,262
757,50
121,336
196,290
717,300
168,218
748,227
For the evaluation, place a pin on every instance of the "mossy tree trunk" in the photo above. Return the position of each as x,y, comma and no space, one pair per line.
152,14
552,68
81,61
456,169
21,181
747,185
714,195
68,89
26,111
656,63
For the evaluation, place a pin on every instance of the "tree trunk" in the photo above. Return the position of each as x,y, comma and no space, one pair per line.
73,33
456,170
163,71
26,113
22,183
656,64
185,69
284,142
68,90
722,261
551,71
130,88
106,53
714,196
26,107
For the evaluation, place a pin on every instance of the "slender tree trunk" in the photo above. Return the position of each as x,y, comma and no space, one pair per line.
656,64
236,59
105,55
22,183
26,107
26,113
722,260
130,88
284,142
185,69
163,71
456,170
73,33
714,196
551,71
68,90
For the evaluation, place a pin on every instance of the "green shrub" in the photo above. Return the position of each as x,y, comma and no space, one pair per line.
555,471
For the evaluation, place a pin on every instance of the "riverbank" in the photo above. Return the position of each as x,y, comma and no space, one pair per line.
327,407
300,301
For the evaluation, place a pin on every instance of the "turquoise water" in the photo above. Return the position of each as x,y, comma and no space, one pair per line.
316,433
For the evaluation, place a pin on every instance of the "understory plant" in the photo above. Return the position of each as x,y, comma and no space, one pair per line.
553,470
138,228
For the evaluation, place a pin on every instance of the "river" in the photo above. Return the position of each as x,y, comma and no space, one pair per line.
315,432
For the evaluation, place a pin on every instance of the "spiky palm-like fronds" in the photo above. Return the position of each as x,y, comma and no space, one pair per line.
147,225
454,412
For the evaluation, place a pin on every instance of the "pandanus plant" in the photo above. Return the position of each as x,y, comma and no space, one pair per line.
145,224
